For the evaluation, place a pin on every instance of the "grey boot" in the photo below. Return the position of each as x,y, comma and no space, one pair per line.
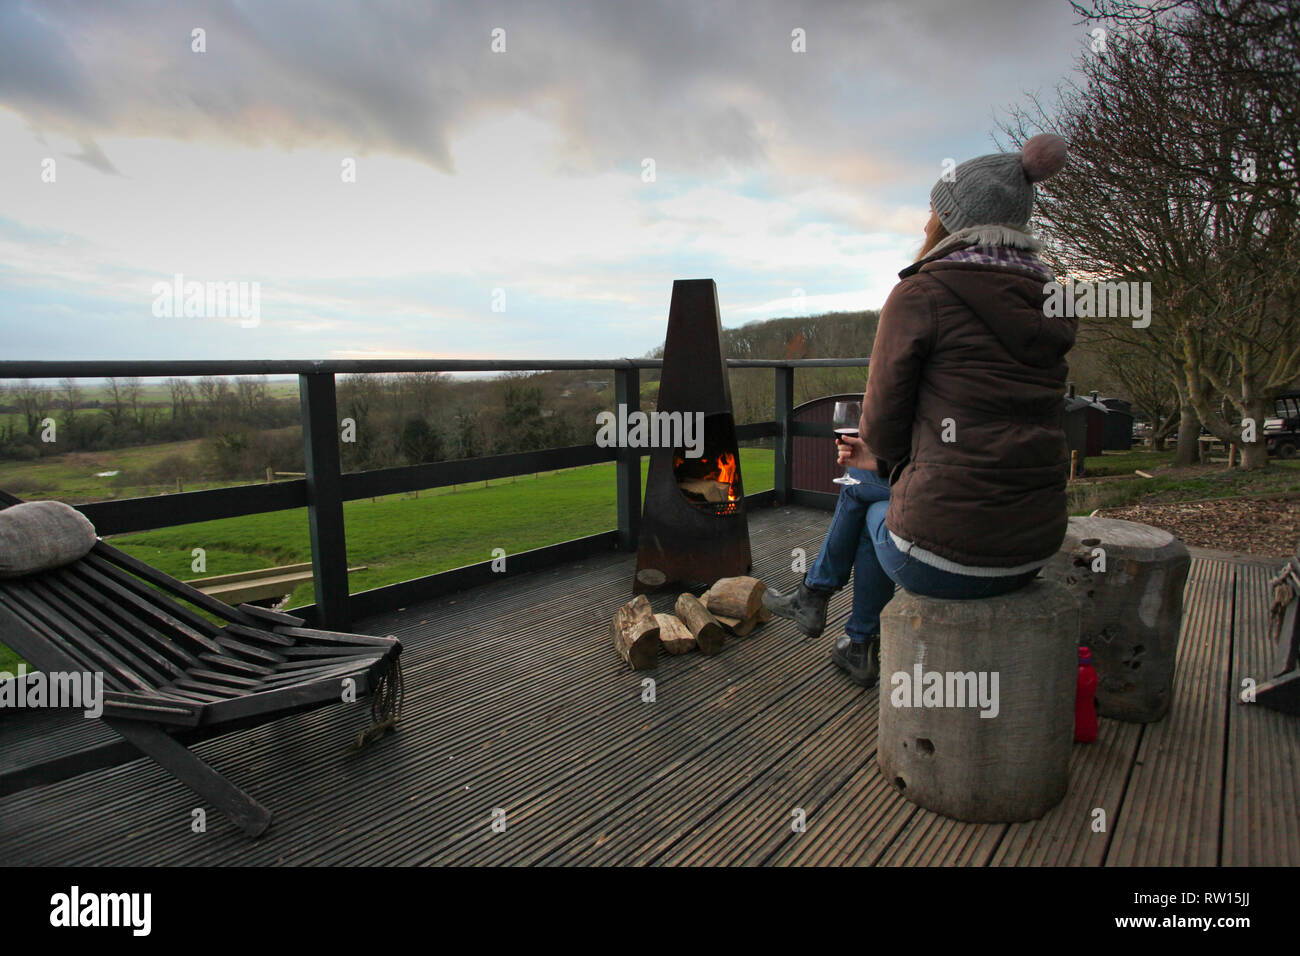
806,607
862,661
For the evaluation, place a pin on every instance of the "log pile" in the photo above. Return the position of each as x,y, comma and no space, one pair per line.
731,605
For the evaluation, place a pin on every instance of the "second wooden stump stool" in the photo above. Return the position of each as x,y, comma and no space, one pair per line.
977,701
1128,579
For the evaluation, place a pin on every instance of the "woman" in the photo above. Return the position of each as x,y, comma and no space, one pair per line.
962,457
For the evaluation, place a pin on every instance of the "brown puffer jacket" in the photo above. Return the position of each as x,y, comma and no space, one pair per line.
965,353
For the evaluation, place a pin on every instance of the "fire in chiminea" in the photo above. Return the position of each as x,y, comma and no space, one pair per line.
711,482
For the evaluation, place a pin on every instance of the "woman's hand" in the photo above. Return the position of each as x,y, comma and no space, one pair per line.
853,454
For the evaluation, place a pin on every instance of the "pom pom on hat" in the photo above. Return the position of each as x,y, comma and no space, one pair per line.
1043,156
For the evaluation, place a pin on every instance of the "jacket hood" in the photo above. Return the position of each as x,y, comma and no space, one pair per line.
1010,302
1006,299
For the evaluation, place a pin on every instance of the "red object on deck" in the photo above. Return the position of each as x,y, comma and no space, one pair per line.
1085,700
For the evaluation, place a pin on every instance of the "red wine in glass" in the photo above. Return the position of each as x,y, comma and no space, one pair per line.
845,422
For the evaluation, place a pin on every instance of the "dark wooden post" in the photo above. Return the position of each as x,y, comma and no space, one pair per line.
783,473
627,391
329,550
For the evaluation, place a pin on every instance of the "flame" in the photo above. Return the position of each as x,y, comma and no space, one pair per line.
724,472
727,473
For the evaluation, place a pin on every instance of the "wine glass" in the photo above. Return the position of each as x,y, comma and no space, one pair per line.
847,415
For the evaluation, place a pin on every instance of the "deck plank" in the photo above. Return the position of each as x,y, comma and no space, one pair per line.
854,827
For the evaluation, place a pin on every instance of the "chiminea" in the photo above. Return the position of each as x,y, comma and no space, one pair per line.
693,526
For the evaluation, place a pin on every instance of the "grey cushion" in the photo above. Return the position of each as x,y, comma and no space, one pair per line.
40,535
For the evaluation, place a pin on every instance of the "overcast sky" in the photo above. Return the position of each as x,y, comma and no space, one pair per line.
522,171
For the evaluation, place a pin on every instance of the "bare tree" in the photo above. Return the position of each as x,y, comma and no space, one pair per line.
251,395
214,393
33,401
182,397
116,402
131,389
72,398
1185,137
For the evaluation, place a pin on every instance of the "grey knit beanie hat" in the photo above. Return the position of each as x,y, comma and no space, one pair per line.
998,188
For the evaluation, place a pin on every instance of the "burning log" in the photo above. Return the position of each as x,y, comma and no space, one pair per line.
674,635
714,492
708,633
740,598
636,633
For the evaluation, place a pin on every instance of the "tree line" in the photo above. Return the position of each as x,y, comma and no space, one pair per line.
129,413
244,428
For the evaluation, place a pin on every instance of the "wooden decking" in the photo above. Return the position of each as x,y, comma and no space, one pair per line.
516,700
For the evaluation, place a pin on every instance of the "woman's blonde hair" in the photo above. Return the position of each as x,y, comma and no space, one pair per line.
935,233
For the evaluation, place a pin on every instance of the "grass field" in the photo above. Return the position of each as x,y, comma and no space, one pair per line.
398,537
1183,484
72,477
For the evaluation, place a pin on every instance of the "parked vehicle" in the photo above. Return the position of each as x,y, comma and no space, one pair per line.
1283,433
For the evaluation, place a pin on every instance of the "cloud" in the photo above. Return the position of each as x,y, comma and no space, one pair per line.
476,170
700,87
94,157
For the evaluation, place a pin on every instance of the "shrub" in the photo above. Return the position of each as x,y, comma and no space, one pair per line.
168,469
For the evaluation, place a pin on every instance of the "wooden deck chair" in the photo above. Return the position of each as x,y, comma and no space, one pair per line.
1282,691
169,671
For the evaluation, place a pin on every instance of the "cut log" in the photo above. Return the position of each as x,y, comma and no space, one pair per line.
738,626
764,614
704,627
674,635
651,578
636,633
736,597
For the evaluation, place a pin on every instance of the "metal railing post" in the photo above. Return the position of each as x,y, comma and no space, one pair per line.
329,550
783,464
627,391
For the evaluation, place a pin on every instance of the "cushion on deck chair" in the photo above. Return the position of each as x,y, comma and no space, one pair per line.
40,535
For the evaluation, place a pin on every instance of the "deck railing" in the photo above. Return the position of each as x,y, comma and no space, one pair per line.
325,487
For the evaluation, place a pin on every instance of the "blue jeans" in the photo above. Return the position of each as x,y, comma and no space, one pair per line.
858,542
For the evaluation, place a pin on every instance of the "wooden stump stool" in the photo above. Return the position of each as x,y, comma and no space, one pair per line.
977,701
1128,579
